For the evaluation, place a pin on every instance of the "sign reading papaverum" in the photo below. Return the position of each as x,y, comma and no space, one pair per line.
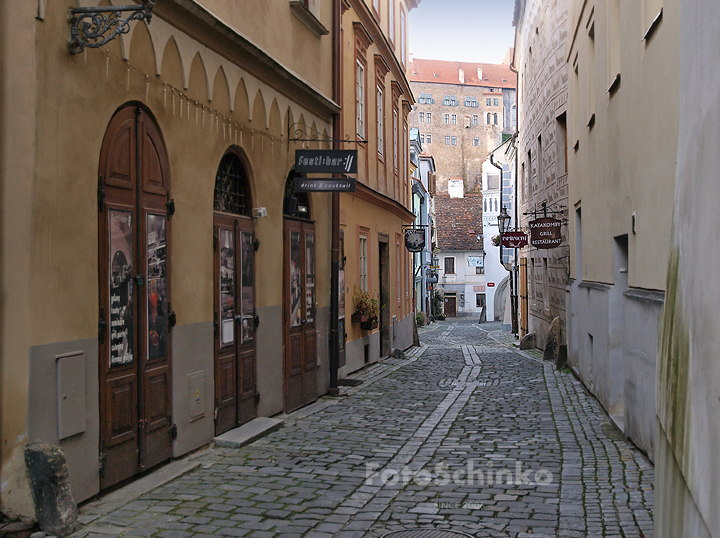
545,233
326,161
514,239
415,239
328,184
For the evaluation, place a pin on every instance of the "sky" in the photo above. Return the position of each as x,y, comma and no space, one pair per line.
463,30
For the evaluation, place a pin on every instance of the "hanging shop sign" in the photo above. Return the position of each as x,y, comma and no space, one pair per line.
328,184
475,261
514,239
545,233
326,161
415,239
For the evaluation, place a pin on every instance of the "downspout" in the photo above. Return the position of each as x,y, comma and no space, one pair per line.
516,137
334,343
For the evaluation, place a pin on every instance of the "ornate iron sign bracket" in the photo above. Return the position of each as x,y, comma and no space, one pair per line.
93,27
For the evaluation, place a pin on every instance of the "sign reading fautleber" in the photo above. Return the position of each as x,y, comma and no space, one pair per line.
326,161
545,233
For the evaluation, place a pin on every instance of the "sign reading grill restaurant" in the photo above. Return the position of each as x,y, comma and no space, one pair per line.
415,239
326,161
545,233
339,184
514,239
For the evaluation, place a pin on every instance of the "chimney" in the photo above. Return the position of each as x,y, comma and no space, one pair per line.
462,76
480,77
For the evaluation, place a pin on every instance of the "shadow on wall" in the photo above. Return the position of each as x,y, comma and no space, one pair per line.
501,293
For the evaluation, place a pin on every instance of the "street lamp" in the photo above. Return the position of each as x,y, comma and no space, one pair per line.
503,220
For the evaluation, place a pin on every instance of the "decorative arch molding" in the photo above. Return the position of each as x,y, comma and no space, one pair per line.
160,34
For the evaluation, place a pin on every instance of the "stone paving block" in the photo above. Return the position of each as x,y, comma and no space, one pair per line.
465,399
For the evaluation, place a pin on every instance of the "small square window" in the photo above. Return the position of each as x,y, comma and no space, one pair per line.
447,119
421,117
454,119
447,140
488,101
496,102
454,140
429,139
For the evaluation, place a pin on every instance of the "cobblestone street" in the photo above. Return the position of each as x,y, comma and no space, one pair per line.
463,434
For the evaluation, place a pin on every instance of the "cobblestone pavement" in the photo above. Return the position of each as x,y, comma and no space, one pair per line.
463,434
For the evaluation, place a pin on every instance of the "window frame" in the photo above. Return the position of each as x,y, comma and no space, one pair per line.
363,260
360,101
445,265
380,120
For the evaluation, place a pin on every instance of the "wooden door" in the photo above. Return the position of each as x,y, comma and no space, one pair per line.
523,298
450,306
134,310
300,329
235,365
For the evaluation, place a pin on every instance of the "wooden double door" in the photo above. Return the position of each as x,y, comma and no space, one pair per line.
300,323
236,394
135,314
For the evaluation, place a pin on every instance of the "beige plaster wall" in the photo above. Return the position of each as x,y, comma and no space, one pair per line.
18,70
625,163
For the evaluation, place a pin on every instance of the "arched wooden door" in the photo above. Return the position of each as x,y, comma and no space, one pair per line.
299,301
135,316
236,396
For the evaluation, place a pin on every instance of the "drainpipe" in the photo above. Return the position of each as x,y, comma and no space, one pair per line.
334,343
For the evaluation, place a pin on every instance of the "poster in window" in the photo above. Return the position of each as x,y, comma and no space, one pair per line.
247,281
295,280
310,277
157,307
226,241
122,316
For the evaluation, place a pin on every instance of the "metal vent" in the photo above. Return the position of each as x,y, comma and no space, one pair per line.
426,533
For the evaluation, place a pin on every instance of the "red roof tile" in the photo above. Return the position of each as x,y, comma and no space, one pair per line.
444,72
458,222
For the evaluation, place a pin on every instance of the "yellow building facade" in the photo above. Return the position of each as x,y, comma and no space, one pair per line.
155,264
376,100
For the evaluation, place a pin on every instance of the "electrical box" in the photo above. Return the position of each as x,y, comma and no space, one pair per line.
71,394
196,388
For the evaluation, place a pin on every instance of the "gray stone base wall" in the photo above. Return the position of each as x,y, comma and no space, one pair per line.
82,449
676,513
616,362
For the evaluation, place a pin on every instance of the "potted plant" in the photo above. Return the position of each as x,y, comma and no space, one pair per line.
367,309
496,239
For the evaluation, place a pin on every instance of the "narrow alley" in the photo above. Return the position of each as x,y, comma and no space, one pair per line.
463,434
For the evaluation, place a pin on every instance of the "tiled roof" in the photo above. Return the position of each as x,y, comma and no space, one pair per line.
444,72
458,222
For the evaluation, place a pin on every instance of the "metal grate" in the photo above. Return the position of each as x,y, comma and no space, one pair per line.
426,533
231,186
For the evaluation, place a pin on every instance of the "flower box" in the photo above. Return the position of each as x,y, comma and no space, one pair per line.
359,318
368,325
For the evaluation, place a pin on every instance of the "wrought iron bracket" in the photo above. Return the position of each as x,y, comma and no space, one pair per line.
93,27
545,210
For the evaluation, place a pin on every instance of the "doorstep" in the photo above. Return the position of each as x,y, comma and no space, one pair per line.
249,432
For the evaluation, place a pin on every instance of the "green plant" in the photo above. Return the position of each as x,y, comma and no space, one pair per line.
437,305
366,304
420,319
495,239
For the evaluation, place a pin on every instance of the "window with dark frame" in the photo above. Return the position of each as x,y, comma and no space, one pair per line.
449,265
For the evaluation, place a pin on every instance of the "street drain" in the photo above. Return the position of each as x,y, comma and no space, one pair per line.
426,533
